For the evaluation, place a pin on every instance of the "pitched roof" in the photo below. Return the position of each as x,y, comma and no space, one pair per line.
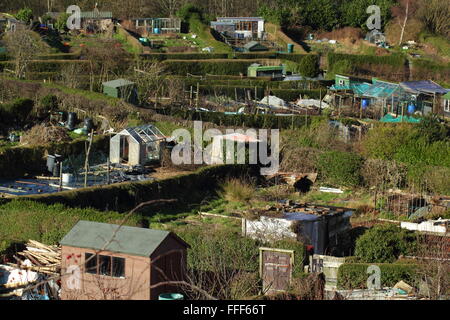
424,86
111,237
117,83
252,44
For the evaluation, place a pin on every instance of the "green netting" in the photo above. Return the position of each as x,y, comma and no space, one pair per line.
393,119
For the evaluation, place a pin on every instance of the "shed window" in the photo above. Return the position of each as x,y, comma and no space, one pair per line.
118,267
90,263
105,265
447,106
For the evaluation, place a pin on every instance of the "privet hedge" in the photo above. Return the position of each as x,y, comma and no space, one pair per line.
354,275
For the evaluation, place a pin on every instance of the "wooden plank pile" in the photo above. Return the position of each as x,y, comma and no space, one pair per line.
44,259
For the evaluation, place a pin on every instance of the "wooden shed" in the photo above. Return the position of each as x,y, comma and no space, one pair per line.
104,261
121,88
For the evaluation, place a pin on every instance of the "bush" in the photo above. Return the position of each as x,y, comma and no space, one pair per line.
385,243
340,168
354,275
307,65
16,112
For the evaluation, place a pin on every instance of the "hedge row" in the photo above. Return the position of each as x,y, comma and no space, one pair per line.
354,275
122,197
183,56
394,60
252,82
44,65
202,67
259,121
18,161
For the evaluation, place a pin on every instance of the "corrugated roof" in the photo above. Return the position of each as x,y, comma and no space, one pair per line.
128,240
117,83
96,15
424,86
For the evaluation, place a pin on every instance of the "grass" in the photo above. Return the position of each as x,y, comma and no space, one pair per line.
125,44
22,220
441,44
205,38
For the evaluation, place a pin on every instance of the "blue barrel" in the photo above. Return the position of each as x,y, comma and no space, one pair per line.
171,296
411,108
290,48
156,30
364,103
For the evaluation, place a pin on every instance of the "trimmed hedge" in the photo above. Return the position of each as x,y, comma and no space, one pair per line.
44,65
18,161
354,275
187,189
184,56
202,67
21,220
259,121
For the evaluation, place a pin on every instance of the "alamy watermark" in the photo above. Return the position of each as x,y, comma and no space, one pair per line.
234,146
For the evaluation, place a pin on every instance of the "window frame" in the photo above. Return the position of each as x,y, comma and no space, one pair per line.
112,271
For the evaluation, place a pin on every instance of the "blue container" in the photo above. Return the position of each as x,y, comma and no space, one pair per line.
411,108
171,296
156,30
364,103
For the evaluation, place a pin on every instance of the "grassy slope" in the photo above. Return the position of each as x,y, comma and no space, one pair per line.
277,35
23,220
205,38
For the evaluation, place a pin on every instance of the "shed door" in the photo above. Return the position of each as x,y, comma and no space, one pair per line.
276,271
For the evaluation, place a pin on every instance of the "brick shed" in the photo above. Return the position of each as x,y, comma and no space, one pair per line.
104,261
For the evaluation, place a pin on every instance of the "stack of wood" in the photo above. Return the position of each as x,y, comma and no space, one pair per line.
44,259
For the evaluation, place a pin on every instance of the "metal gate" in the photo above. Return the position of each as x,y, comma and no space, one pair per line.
275,269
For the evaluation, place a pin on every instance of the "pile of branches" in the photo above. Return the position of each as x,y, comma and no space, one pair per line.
44,259
41,134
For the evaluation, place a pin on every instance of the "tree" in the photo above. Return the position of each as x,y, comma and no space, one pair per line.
402,11
61,22
25,15
24,46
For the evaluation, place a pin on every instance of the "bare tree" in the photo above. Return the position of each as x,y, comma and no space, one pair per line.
24,46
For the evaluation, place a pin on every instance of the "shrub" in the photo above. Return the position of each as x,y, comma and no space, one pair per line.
340,168
385,243
354,275
16,112
237,190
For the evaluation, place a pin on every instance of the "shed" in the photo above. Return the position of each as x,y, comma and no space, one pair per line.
318,226
121,88
254,46
113,262
137,145
257,70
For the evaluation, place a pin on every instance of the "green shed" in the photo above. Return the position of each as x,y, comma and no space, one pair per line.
257,70
121,88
